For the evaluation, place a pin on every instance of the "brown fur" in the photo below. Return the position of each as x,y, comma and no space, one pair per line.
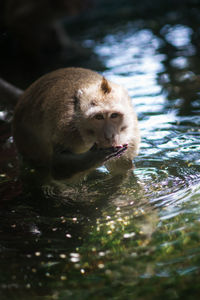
59,111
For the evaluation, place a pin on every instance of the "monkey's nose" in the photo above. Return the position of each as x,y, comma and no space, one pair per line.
109,137
110,141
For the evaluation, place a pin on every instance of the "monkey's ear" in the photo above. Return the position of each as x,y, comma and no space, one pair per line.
105,86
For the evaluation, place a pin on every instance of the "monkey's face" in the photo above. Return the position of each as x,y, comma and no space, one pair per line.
104,114
105,129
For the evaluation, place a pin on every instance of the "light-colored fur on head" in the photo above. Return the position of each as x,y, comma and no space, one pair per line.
105,98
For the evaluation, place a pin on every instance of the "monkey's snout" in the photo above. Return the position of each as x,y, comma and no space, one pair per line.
109,141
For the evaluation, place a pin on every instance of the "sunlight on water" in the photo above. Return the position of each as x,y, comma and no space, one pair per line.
137,67
134,66
168,163
126,238
179,35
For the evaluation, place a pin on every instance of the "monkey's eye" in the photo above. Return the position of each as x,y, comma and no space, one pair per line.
99,117
123,128
114,115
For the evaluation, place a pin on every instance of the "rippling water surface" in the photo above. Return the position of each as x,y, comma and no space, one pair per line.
133,239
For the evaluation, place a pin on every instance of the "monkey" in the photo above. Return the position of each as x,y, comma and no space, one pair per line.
72,120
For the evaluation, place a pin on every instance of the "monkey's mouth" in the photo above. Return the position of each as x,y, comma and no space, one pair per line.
108,144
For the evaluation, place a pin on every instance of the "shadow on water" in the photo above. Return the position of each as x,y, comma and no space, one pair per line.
118,238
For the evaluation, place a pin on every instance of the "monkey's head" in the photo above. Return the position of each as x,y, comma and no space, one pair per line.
104,114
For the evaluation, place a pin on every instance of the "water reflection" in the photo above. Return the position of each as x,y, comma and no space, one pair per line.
178,35
119,237
168,168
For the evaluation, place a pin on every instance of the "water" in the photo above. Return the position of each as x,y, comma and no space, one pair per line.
114,238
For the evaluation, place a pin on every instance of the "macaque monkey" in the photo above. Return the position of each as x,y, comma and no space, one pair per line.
73,120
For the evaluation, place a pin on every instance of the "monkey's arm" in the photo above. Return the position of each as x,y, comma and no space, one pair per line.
66,164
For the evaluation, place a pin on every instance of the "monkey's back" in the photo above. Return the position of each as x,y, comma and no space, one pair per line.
44,115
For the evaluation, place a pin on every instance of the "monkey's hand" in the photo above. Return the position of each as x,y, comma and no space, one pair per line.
104,154
66,164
